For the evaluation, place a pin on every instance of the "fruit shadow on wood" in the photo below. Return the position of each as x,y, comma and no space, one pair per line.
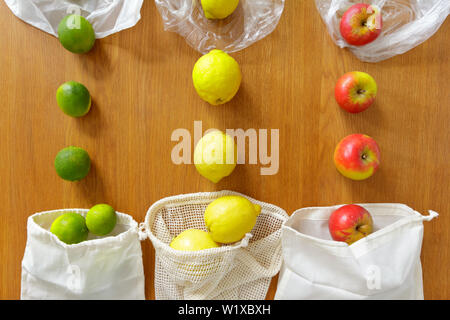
96,62
92,123
91,188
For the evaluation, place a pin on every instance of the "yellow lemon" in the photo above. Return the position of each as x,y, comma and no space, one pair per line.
193,240
219,9
217,77
215,156
229,218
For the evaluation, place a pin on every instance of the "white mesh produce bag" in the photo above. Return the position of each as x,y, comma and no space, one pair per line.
107,267
406,24
250,22
383,265
106,16
239,271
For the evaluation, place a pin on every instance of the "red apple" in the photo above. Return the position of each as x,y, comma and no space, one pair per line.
361,24
355,91
350,223
357,156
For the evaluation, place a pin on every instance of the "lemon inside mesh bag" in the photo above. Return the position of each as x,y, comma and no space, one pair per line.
242,270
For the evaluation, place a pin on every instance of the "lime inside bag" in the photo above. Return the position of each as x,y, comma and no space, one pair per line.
251,21
406,24
106,16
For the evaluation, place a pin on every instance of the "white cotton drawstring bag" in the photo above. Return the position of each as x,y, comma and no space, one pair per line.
99,268
239,271
106,16
406,24
384,265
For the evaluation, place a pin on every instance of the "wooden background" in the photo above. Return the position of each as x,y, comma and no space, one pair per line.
140,80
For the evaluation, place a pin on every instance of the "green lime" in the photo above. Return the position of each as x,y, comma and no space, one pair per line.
76,34
101,219
73,98
72,163
70,228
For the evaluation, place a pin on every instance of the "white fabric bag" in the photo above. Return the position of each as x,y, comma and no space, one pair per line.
239,271
99,268
106,16
384,265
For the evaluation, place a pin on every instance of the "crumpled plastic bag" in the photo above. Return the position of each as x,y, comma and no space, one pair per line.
106,16
250,22
406,24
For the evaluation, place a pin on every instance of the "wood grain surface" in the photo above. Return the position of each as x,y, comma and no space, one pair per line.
140,80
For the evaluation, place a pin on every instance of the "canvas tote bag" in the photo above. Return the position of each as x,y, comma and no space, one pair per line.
102,268
384,265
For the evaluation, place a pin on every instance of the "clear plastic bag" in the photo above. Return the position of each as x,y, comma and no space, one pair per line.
250,22
406,24
107,16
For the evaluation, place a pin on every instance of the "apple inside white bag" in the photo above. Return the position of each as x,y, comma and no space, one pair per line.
350,223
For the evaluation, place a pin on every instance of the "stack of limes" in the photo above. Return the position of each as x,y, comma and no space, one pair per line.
77,35
72,228
73,163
